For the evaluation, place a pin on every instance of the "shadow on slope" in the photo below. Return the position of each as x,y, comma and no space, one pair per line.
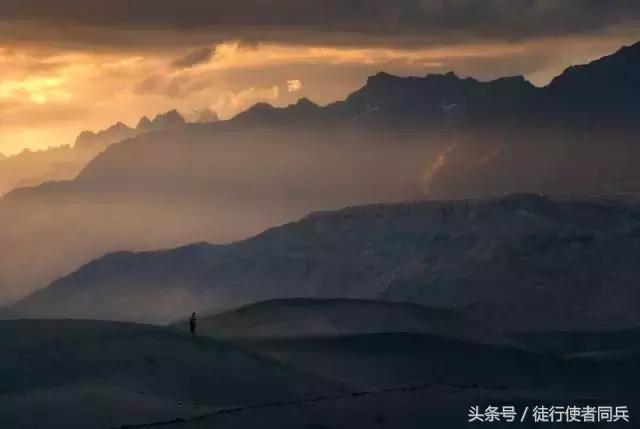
611,344
84,374
434,381
402,359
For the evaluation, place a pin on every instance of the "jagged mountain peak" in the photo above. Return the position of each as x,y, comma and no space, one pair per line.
382,77
89,140
514,80
144,122
262,106
118,126
389,82
85,134
304,101
449,76
172,117
421,101
162,120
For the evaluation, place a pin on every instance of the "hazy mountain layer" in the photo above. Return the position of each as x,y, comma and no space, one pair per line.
521,262
32,168
394,139
200,183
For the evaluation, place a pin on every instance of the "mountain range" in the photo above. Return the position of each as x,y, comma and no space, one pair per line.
488,255
394,139
522,262
31,168
603,90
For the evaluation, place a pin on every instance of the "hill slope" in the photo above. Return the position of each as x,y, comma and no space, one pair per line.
328,317
33,168
122,373
230,180
392,360
521,262
581,137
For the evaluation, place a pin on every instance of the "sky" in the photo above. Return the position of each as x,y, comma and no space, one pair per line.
67,66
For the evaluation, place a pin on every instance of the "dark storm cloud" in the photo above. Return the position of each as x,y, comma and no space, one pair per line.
194,58
331,21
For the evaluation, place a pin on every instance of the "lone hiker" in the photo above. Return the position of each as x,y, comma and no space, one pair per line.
192,323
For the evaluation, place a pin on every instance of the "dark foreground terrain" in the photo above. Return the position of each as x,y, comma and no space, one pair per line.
81,374
332,371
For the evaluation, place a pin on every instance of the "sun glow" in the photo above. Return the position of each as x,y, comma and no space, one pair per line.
56,92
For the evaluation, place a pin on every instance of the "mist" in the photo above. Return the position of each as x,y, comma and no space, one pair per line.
200,183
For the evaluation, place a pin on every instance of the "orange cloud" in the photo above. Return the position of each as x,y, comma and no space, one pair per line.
48,95
294,85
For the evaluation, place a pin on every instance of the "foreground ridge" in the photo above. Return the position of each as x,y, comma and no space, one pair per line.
321,398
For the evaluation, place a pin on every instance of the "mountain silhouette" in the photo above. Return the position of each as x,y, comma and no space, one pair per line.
90,141
382,314
170,119
32,168
604,90
502,262
204,116
394,139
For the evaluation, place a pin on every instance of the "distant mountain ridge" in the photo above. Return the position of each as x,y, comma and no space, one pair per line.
607,86
522,262
416,102
32,168
394,139
120,131
605,90
161,121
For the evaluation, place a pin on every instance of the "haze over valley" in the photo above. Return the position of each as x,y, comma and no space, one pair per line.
273,221
389,141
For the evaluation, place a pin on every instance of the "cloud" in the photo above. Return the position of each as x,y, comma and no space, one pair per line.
195,57
119,60
329,22
234,102
149,84
294,85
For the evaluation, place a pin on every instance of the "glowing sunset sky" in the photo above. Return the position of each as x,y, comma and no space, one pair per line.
66,66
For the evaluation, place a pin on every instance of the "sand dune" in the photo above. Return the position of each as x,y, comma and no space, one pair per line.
326,317
88,374
81,374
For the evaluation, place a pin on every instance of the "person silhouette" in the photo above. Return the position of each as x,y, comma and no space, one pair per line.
192,323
